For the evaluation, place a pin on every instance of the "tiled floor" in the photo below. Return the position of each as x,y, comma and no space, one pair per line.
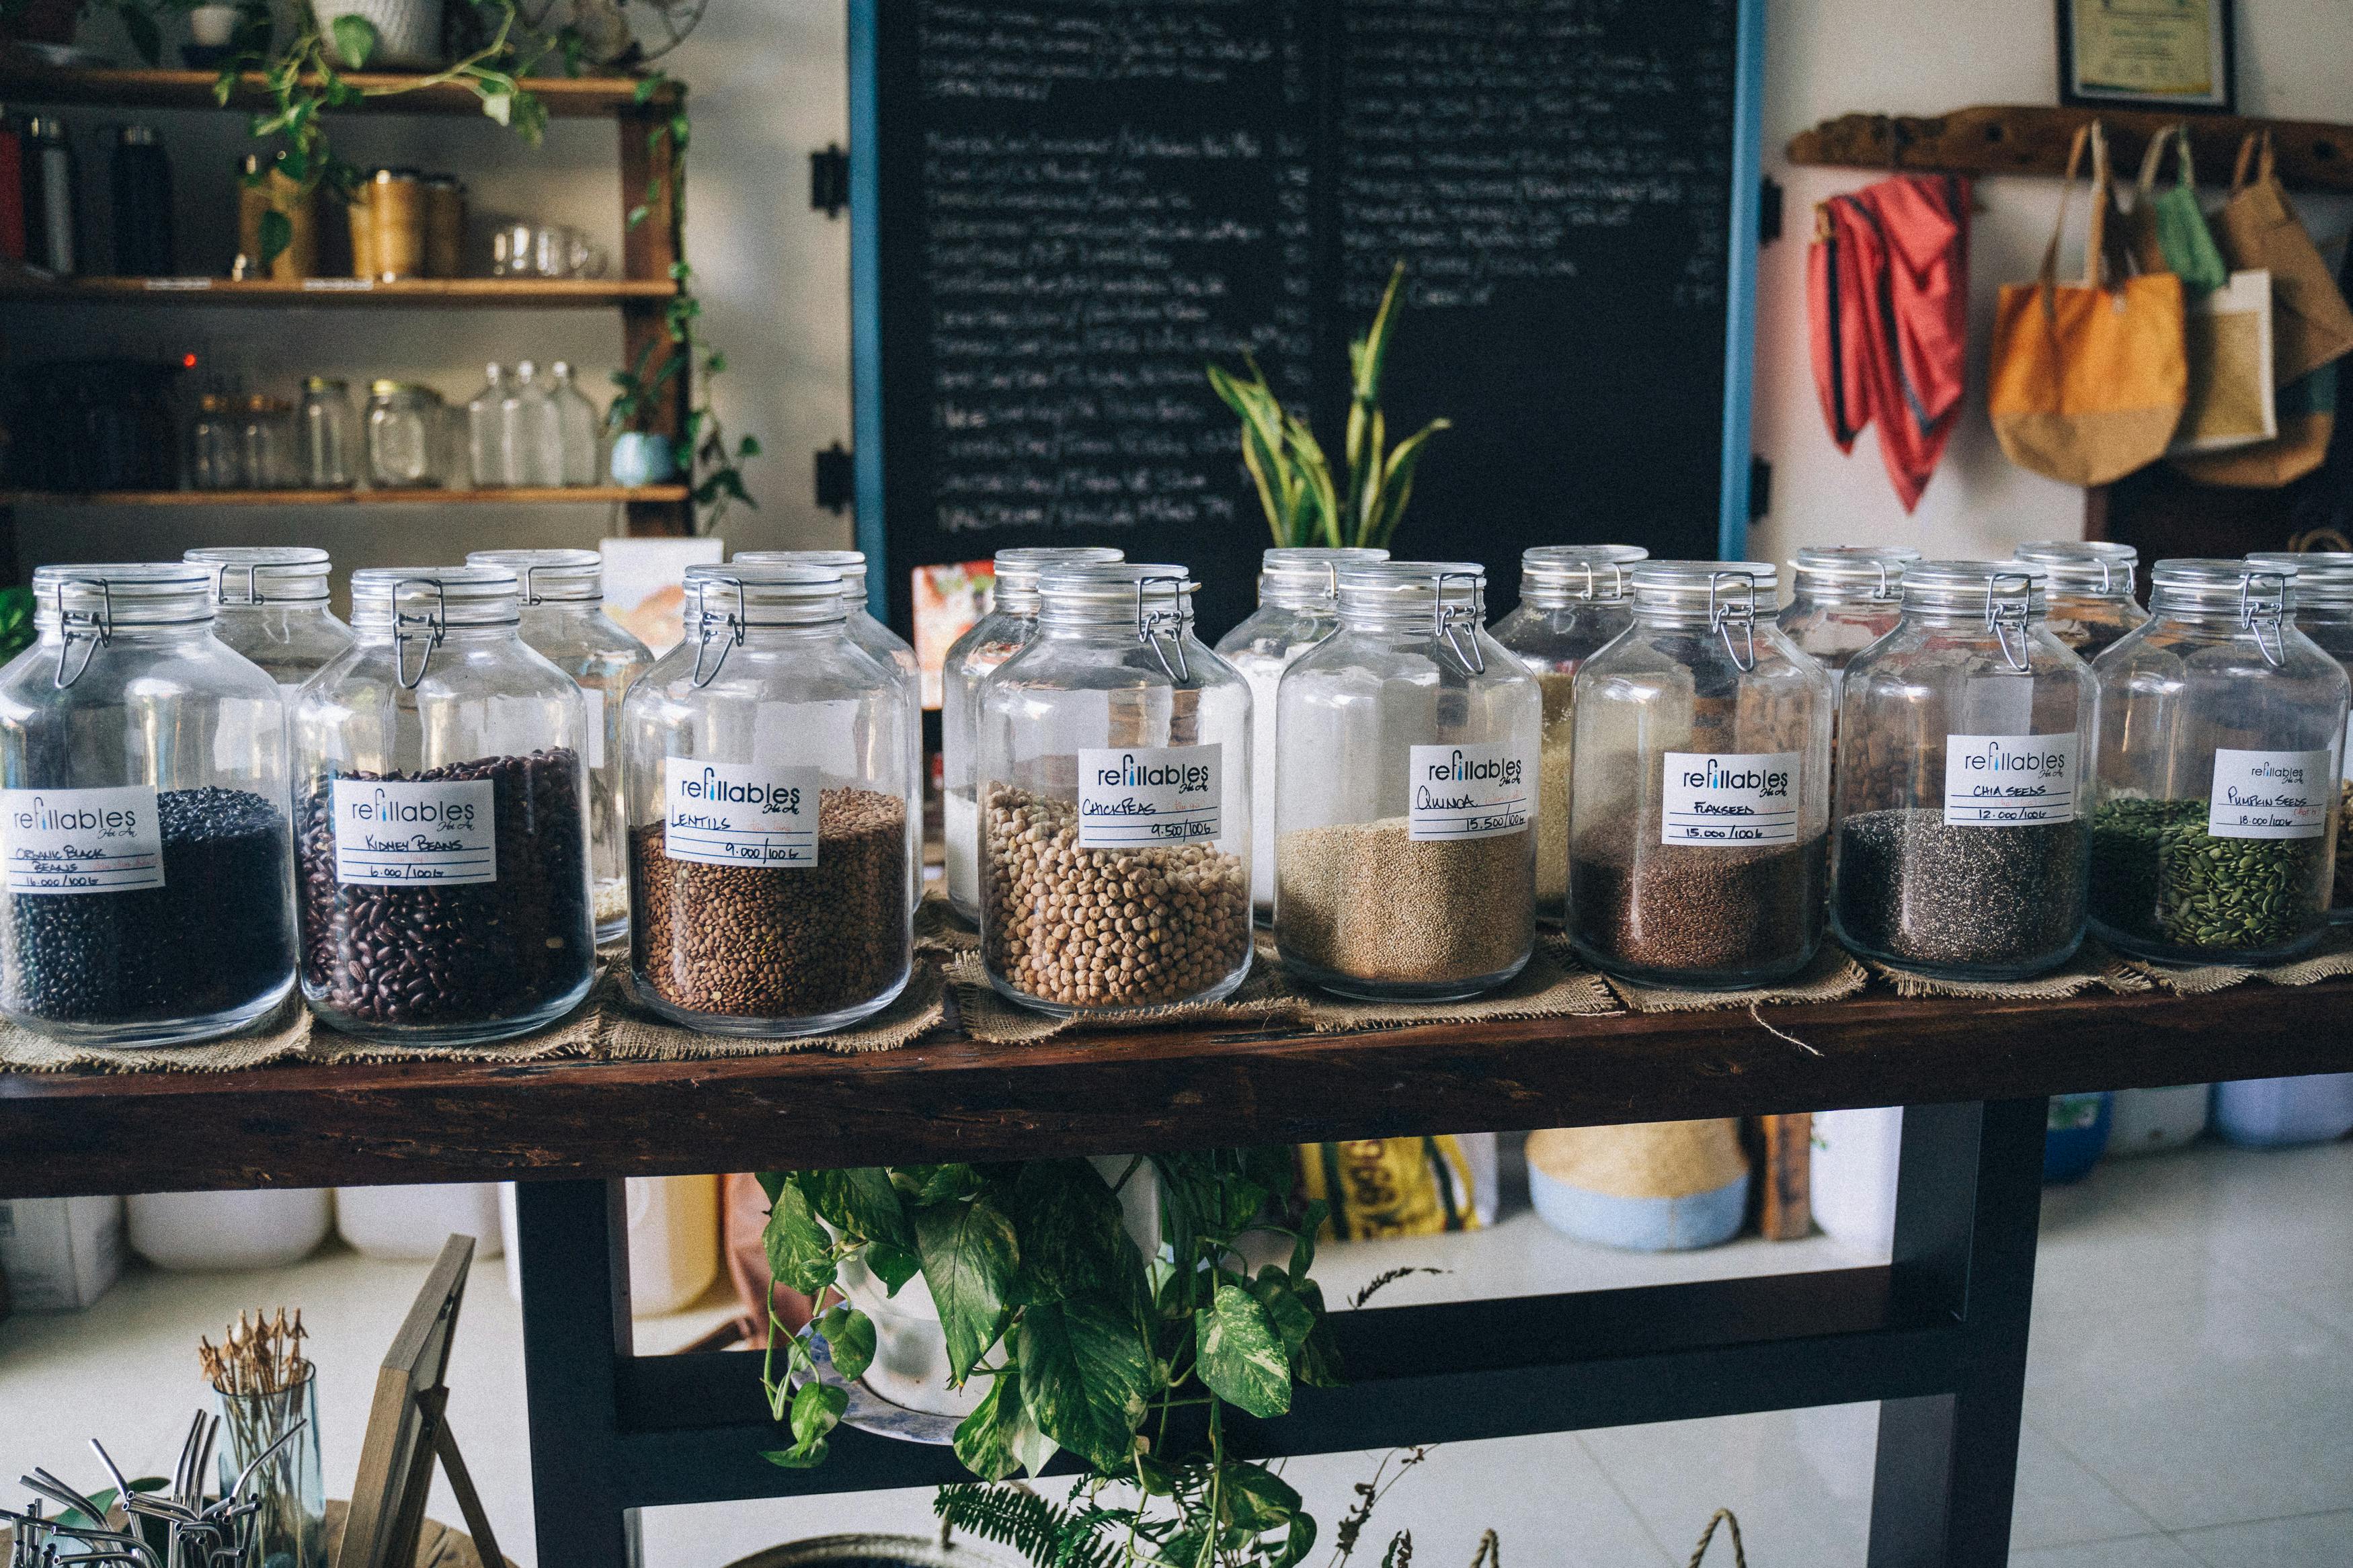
2189,1398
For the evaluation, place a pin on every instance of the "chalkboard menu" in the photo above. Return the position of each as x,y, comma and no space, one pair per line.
1070,207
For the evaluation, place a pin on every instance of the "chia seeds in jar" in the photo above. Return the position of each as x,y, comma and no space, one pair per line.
1572,602
563,621
443,804
1966,740
989,642
149,860
2321,597
1296,592
270,605
2088,590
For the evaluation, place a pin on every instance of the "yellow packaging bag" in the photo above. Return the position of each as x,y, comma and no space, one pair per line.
1402,1187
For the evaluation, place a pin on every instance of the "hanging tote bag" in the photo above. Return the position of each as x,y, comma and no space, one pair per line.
2258,229
2169,231
2307,420
2087,383
2227,339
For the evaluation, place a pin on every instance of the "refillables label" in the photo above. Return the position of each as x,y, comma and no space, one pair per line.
2270,795
2009,781
1479,789
1729,799
1133,797
739,814
394,834
81,840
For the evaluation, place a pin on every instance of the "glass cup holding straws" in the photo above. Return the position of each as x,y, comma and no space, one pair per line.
266,1385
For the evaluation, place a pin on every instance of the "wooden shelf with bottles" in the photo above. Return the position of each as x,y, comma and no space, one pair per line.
384,92
21,286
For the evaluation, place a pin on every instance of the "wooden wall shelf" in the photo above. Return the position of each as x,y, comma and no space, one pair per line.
2033,139
572,495
344,293
565,97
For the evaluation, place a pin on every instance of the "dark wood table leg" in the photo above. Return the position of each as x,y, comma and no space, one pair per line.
575,1333
1968,1205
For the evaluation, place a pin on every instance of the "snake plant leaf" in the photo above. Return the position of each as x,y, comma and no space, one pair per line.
1369,355
1396,483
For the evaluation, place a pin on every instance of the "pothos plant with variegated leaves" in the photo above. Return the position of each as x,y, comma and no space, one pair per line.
1134,1364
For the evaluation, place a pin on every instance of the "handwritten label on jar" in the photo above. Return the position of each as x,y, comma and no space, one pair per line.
739,814
1130,797
1480,790
1730,798
391,833
2270,795
81,840
2009,781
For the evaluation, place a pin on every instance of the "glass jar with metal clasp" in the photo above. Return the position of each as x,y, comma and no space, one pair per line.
2088,590
270,605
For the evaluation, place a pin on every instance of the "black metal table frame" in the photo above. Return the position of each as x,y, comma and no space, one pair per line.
1937,1334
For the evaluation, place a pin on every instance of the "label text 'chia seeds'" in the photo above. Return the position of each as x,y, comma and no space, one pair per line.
740,814
2272,795
1133,797
1730,798
1476,790
391,833
81,840
2009,781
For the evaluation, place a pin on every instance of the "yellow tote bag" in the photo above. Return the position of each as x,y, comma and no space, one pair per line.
2087,382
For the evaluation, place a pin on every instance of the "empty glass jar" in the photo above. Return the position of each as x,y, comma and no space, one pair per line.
1296,592
329,435
150,890
773,844
1699,801
1004,631
270,605
1115,797
441,809
1572,602
406,438
2088,587
1843,598
2321,599
1406,792
564,620
1965,736
2215,800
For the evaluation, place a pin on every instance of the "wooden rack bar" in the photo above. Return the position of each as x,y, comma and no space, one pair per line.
343,293
517,495
2033,139
390,93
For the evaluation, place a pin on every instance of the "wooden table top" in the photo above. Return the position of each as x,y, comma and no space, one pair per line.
950,1098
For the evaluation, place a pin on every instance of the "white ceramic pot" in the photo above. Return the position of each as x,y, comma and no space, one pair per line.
196,1231
408,32
210,27
412,1223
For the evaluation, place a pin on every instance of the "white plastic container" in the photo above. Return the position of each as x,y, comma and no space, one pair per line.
207,1232
1853,1186
2266,1112
2151,1121
60,1254
411,1223
673,1241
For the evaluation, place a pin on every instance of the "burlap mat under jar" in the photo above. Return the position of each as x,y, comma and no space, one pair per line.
1833,977
2334,958
1551,986
2092,965
636,1034
940,930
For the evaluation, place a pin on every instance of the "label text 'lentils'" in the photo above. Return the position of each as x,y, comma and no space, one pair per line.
740,814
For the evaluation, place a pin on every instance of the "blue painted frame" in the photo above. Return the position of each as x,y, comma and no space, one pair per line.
1740,303
865,316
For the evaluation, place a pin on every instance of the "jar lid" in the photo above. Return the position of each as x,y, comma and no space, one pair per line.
385,596
1975,587
325,384
390,174
136,135
1595,572
2213,583
550,576
2322,577
1864,572
213,402
1018,569
1078,582
445,182
1302,577
1703,587
385,388
1410,587
262,402
850,563
131,593
2084,565
45,128
761,594
264,573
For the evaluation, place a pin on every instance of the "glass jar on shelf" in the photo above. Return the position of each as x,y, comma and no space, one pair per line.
1843,598
1406,792
1297,590
144,828
2088,587
1114,791
442,817
1699,800
563,621
1960,850
217,445
2215,798
771,808
2321,599
330,447
989,642
406,441
1572,602
267,439
270,605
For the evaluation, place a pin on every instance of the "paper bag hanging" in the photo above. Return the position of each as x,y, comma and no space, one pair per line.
2307,420
2258,229
2087,383
2227,339
2168,230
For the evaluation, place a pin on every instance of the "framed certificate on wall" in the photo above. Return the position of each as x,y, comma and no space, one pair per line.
2152,54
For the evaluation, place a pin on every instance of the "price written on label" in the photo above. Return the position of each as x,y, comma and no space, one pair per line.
1729,798
2009,781
2272,795
81,840
391,833
1480,789
740,814
1140,795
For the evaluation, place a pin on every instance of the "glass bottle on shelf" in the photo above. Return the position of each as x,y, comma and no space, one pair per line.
442,817
574,420
1572,602
267,439
1961,849
486,430
1114,790
2088,587
989,642
1699,797
329,435
773,843
270,605
563,621
1296,592
1843,598
144,828
2215,801
217,445
2321,599
528,448
405,435
1406,800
